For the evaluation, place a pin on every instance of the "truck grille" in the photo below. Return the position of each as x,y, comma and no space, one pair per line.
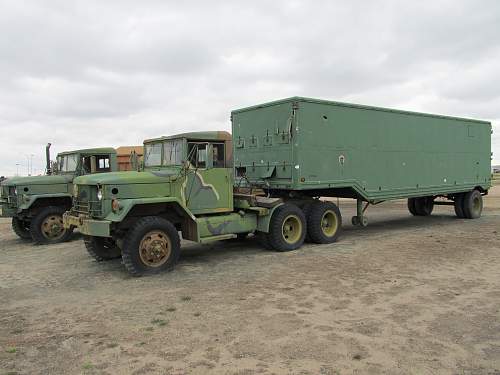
86,202
11,196
89,208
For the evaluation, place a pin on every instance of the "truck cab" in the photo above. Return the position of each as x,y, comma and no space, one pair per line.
207,188
36,203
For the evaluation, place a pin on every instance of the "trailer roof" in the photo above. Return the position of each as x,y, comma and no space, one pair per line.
205,136
100,150
359,106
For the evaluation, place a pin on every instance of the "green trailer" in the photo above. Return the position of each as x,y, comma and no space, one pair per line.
301,147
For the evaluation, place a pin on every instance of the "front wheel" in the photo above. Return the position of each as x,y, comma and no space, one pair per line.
102,248
287,228
151,246
21,228
47,226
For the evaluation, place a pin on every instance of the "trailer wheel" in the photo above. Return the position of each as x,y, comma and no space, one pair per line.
411,206
473,204
47,226
324,222
102,248
424,206
21,228
459,205
151,246
287,229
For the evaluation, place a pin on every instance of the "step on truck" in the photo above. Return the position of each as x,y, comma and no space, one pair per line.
36,203
268,178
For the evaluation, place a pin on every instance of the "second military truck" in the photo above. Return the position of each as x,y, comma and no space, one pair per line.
36,203
287,154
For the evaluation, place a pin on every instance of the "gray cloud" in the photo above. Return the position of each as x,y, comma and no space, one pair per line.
87,73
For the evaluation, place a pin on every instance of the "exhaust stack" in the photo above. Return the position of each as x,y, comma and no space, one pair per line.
47,157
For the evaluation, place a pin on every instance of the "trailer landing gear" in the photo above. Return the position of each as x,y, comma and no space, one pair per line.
360,219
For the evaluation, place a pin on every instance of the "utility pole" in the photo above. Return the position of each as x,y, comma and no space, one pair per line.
17,169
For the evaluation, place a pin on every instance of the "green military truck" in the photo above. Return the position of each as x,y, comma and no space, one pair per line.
287,154
36,203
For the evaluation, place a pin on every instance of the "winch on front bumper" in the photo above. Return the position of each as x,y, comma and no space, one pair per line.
87,225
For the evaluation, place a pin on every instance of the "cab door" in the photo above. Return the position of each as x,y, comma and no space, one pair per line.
209,183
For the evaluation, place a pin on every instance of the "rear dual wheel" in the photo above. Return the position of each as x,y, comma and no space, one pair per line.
421,206
469,205
287,228
324,222
319,222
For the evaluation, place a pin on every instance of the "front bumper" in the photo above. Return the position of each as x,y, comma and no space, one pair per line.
6,210
87,225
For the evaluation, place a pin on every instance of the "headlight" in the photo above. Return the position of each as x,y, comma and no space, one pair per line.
15,191
115,205
99,193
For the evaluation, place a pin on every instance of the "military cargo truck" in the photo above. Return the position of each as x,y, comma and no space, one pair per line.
287,155
36,203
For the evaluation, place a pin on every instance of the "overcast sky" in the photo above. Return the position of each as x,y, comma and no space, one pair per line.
98,73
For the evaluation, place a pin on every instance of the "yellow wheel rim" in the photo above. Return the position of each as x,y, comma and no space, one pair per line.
292,229
329,223
155,248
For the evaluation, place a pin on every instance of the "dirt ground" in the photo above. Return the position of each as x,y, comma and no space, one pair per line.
406,295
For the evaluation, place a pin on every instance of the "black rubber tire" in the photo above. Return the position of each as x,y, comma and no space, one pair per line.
21,228
102,248
36,226
471,211
424,206
411,206
314,222
459,205
275,234
130,252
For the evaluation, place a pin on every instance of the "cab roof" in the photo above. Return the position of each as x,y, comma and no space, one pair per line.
90,151
196,136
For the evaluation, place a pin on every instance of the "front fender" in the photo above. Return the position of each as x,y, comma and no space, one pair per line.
27,201
127,204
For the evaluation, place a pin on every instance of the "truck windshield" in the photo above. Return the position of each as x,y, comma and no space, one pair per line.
172,152
152,154
67,163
